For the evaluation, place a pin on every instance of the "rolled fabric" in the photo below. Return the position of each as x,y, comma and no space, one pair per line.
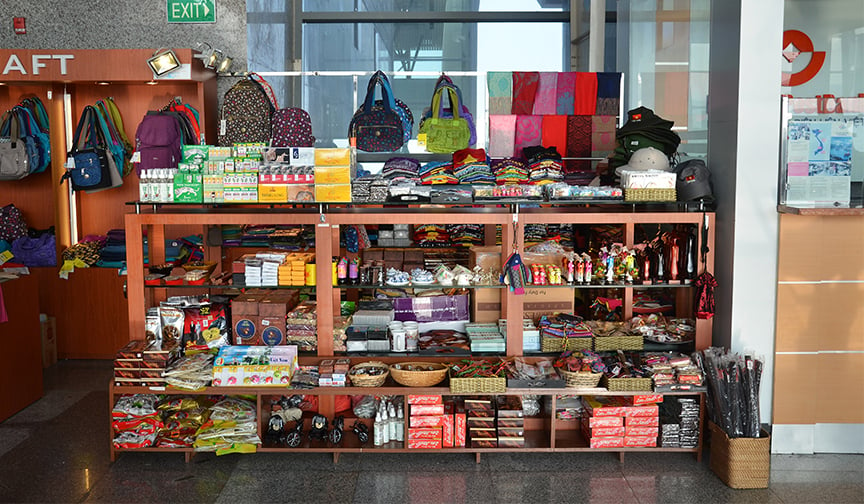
555,132
502,135
528,132
546,103
500,86
524,92
565,87
585,94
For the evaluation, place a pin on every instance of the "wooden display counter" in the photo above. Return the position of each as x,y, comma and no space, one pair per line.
21,373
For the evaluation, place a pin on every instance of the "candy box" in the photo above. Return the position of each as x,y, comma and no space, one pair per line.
459,428
484,443
601,431
487,422
132,350
511,442
642,421
509,406
510,422
447,430
606,442
635,430
642,411
640,441
604,405
425,399
479,403
425,421
333,157
427,409
482,432
126,373
128,363
481,413
431,444
638,399
510,432
605,421
424,433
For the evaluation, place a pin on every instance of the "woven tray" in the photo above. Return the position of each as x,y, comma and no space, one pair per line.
558,344
495,385
609,343
627,384
367,380
418,378
740,462
580,380
650,194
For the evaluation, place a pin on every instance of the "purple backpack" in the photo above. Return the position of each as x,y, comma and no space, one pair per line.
158,140
291,127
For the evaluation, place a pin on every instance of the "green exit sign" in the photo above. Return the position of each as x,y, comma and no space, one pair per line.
191,11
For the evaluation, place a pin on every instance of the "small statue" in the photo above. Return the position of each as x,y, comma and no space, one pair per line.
318,430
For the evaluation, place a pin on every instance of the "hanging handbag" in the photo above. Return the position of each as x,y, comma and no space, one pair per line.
401,109
14,159
377,126
118,132
117,154
90,170
464,113
446,135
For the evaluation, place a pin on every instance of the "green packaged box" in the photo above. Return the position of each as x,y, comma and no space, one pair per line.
188,188
196,154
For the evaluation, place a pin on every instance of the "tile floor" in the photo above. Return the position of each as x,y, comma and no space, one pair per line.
56,450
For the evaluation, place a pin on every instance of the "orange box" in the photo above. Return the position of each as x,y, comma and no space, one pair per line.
636,400
427,409
642,421
642,411
636,430
459,427
601,431
424,444
424,433
605,422
425,399
447,431
606,442
340,193
647,441
604,406
425,421
272,193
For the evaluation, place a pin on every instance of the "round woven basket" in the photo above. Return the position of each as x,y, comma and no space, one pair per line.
420,374
366,380
580,380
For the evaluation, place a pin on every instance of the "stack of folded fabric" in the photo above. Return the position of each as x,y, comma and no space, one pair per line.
431,235
471,166
438,172
510,171
400,169
256,236
535,233
113,254
292,238
466,235
231,235
544,165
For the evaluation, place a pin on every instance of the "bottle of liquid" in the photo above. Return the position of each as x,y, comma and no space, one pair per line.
378,434
143,187
385,426
393,421
155,186
400,424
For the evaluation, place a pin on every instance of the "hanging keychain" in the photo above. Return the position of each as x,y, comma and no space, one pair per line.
706,283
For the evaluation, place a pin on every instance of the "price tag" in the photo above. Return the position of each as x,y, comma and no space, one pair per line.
136,157
70,163
223,127
5,256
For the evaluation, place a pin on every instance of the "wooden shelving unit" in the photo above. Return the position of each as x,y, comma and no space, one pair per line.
546,434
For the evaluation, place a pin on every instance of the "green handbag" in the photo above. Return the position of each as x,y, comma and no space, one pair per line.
446,134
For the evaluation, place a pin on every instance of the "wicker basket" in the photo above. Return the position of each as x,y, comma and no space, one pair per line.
492,385
365,380
417,378
740,462
560,344
579,380
628,384
618,342
651,194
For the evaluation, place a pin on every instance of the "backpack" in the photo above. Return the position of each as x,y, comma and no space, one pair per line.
158,139
292,127
189,121
246,114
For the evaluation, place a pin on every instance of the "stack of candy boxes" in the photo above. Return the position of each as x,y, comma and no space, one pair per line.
619,422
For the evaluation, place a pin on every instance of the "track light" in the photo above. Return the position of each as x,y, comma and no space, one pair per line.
213,58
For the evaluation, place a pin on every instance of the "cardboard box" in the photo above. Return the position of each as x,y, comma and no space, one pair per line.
272,331
481,422
300,192
482,433
447,431
606,442
537,301
647,410
646,441
597,406
635,430
431,308
459,429
486,257
188,188
510,432
510,422
639,399
611,421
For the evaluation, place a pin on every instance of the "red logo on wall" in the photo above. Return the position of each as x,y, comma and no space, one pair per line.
794,43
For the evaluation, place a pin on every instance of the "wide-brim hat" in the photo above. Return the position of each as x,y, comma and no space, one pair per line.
641,119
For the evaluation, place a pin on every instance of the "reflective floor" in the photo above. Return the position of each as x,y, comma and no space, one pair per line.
56,450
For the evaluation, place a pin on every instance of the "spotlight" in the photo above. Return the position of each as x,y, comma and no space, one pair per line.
163,62
225,65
